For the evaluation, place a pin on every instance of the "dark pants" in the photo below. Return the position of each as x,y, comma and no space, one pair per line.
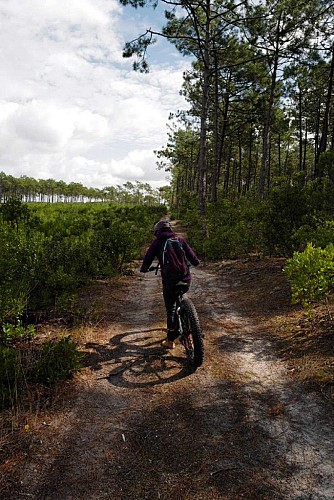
170,296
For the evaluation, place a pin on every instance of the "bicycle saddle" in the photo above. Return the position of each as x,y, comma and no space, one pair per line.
182,286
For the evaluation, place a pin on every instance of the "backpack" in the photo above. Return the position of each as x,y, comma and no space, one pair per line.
175,267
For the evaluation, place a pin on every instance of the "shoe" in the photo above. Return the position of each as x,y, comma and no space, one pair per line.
169,344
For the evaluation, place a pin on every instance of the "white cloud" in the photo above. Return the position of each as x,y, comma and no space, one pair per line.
75,11
72,108
41,123
39,126
136,165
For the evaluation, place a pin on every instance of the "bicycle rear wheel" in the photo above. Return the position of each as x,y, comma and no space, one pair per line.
192,333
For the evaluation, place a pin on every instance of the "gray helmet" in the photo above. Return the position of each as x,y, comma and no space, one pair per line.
162,225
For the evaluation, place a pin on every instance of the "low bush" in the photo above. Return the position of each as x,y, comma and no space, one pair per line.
311,274
287,209
20,263
57,361
16,332
22,366
49,250
319,232
11,375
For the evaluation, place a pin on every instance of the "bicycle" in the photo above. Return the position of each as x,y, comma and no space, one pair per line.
187,323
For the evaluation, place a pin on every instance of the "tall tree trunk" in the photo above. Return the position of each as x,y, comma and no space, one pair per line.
216,139
269,168
325,125
204,112
240,164
279,155
300,126
287,153
267,125
228,171
234,175
316,138
250,162
305,148
223,132
257,155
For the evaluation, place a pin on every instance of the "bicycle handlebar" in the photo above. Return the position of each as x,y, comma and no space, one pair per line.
154,268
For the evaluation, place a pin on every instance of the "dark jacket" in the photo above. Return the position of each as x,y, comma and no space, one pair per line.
155,250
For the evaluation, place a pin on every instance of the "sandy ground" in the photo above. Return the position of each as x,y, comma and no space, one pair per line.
138,424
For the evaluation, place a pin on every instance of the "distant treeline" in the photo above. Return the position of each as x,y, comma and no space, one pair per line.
29,189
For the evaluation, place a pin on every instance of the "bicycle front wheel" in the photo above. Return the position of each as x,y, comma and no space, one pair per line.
192,333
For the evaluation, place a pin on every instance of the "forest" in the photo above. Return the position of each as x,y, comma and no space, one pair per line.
260,96
252,158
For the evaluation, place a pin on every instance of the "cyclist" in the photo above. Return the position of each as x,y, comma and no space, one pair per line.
162,231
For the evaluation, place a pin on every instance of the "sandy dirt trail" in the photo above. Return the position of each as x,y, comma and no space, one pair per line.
138,424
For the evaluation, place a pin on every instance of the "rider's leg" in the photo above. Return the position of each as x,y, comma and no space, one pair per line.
170,297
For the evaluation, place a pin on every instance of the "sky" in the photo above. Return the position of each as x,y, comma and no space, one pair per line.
71,108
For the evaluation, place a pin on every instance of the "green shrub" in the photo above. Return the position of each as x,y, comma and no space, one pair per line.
50,250
230,229
15,212
16,332
311,274
287,210
58,360
20,260
11,375
319,231
119,235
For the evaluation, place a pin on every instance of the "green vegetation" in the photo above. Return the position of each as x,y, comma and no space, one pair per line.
293,222
259,93
57,360
22,366
285,222
311,274
48,252
13,333
11,375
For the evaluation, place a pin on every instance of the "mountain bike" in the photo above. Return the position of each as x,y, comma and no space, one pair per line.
187,324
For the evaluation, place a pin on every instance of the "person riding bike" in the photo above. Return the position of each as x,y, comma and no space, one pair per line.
163,231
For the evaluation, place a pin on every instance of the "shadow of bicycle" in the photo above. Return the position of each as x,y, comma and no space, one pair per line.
137,359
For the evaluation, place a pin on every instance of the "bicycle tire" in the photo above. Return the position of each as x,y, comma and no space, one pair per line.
192,330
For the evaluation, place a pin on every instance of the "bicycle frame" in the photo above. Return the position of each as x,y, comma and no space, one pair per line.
179,300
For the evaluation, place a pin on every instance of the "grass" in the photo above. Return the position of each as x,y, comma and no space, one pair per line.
305,339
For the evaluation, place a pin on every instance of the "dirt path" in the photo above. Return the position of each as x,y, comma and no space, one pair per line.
139,425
